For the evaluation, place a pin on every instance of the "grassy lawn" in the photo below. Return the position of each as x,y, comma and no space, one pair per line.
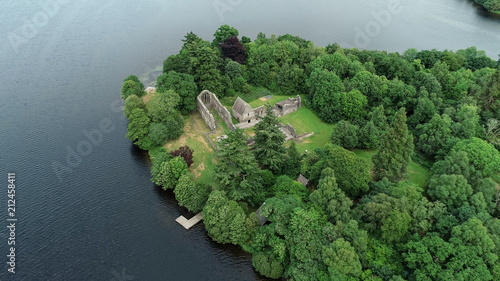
417,173
305,121
203,167
262,101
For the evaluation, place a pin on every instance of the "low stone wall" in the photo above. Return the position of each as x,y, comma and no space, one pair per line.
289,132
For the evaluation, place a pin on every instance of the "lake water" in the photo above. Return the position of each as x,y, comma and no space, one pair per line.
61,69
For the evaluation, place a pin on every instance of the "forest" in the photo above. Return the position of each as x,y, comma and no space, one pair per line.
357,218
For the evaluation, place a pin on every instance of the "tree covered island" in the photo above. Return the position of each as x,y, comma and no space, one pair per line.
395,175
490,5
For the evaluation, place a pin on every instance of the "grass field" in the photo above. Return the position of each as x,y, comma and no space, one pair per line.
203,167
417,173
305,121
262,101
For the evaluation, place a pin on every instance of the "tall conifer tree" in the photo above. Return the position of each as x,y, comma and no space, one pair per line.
393,157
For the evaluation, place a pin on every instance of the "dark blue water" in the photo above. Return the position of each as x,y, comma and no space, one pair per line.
100,217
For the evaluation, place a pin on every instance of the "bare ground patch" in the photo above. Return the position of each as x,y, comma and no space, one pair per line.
147,97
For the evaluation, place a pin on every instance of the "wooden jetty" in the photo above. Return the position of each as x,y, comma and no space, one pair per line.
187,224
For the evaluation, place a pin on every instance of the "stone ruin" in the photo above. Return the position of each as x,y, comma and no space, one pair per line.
289,132
244,113
207,100
287,106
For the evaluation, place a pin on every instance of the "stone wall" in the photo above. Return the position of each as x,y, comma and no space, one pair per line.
260,111
205,113
289,132
207,100
287,106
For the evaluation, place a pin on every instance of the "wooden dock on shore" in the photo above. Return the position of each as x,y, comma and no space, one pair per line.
187,224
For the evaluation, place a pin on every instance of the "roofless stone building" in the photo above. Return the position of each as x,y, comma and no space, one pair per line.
244,113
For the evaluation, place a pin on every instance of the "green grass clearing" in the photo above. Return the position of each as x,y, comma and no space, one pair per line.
416,172
275,99
306,121
203,167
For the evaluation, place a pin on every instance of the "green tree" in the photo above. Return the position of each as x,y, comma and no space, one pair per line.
237,170
136,80
158,159
162,106
348,106
482,155
305,243
290,79
345,134
191,194
132,102
278,211
435,136
223,32
138,126
377,116
183,85
224,219
395,226
204,66
427,80
490,98
397,94
393,67
467,122
369,136
178,63
351,172
354,234
393,157
322,86
291,164
457,163
131,87
428,256
287,186
169,172
331,199
269,139
267,265
369,85
158,133
453,190
424,111
233,69
342,260
472,238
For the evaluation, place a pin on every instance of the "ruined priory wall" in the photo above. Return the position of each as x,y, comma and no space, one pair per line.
290,130
223,112
214,103
205,113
